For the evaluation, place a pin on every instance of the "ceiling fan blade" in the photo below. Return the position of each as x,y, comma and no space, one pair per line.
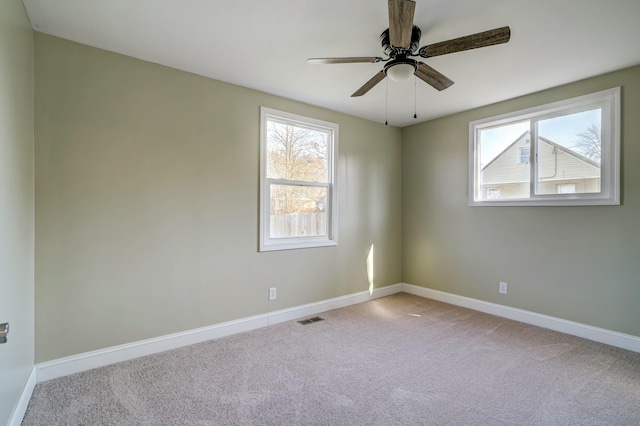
369,84
432,77
401,22
473,41
353,60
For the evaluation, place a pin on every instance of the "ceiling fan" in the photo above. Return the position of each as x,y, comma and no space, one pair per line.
400,43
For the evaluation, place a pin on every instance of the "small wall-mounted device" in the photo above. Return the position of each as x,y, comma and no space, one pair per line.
4,330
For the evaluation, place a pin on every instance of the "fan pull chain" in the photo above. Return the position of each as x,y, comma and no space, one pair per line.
415,97
386,101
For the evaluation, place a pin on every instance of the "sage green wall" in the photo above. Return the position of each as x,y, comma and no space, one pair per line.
16,202
147,203
576,263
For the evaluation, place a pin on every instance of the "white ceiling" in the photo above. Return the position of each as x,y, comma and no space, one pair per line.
264,45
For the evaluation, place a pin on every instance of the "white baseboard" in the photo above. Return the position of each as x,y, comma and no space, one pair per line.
102,357
613,338
23,402
99,358
327,305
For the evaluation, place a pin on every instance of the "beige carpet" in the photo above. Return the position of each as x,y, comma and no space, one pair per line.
399,360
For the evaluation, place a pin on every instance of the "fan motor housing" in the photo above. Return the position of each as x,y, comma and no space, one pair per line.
392,51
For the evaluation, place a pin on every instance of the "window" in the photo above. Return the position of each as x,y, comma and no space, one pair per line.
493,193
297,181
566,188
523,155
564,153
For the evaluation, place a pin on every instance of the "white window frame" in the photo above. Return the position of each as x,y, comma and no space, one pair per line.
608,100
331,239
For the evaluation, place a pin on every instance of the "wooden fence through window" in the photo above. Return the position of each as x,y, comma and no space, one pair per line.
298,225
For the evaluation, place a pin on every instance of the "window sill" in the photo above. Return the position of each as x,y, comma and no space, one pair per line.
293,245
548,202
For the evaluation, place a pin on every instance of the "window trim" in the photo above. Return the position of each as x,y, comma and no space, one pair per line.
610,164
267,243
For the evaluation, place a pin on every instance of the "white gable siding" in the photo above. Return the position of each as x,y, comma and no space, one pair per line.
506,168
556,164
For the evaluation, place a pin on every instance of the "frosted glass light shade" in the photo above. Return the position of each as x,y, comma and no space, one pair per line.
400,72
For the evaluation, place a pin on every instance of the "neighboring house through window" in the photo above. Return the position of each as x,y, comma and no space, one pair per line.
565,153
297,181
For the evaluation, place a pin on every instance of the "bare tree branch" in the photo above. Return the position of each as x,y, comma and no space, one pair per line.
589,143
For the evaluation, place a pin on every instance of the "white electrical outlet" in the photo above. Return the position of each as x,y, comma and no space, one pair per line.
272,293
503,288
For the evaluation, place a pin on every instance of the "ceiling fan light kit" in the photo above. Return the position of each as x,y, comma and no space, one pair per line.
401,41
400,71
